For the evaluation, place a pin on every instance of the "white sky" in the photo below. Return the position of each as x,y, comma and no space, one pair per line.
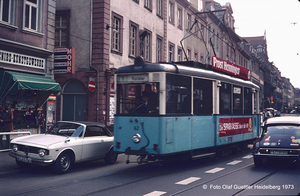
254,17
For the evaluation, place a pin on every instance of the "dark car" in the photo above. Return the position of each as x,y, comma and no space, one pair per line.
280,139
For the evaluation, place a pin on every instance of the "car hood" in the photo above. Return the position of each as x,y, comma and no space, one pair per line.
279,141
39,140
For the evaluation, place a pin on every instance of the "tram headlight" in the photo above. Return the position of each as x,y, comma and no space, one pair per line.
136,138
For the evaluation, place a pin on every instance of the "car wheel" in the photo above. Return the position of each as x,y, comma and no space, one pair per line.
63,163
111,157
258,162
22,164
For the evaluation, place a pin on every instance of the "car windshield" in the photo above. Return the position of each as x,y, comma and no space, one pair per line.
283,130
66,129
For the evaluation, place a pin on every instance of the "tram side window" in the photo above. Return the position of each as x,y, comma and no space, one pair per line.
237,100
178,94
247,101
225,98
202,98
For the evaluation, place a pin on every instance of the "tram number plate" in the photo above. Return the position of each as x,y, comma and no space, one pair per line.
278,152
24,159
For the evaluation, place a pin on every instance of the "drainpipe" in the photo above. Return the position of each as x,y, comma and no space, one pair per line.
91,66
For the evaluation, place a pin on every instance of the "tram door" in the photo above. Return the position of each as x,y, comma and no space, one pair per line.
74,101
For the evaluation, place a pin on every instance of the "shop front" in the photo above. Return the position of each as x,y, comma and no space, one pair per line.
27,95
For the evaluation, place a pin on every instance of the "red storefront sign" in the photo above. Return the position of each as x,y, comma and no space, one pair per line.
235,126
230,68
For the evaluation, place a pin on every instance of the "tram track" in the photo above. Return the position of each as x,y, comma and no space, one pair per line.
160,169
229,173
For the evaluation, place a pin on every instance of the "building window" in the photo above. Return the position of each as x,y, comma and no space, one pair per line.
62,29
189,21
148,4
179,54
137,1
5,10
145,48
213,38
159,49
196,56
159,6
189,52
171,51
133,39
197,30
171,12
179,15
218,41
116,34
33,15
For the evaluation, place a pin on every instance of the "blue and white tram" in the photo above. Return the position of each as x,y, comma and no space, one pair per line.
167,109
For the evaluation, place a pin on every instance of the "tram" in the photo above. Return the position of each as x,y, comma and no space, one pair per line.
169,110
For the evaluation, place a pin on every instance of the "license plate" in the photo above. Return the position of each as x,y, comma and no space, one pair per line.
24,159
278,152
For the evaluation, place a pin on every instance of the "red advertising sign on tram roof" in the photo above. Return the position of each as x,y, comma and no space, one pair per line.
230,68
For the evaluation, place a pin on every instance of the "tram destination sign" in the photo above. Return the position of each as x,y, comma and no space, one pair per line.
132,78
230,68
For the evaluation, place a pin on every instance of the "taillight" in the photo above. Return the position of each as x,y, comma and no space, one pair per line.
293,151
263,151
155,147
118,146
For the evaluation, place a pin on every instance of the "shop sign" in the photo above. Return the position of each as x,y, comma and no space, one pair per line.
112,89
64,60
230,68
235,126
21,60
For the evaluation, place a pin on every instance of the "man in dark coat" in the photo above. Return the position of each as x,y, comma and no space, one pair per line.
6,120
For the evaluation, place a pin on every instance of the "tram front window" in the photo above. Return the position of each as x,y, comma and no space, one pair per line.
137,98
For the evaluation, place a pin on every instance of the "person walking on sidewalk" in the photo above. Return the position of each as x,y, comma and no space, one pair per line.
6,120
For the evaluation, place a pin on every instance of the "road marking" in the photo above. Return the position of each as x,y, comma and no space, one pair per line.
155,193
187,181
247,157
234,162
212,171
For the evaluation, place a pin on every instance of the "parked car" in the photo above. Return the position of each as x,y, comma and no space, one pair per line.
63,144
280,139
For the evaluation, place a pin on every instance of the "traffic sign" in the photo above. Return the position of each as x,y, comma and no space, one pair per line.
92,86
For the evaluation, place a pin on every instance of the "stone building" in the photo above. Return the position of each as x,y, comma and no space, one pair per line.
26,61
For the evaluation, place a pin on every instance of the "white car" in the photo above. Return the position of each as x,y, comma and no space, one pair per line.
63,144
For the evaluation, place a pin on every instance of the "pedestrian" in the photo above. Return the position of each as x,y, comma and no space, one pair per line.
153,98
6,121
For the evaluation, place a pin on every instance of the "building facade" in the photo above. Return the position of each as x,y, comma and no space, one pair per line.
26,61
